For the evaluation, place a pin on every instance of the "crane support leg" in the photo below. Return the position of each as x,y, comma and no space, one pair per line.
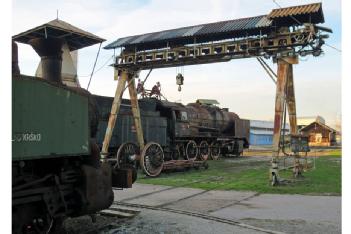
284,92
114,110
290,99
291,104
122,78
136,111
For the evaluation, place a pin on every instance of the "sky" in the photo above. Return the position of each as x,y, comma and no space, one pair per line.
241,85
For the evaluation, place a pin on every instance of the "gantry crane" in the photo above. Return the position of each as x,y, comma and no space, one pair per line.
283,35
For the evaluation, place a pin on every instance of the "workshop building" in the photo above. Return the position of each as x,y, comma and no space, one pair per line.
307,120
261,132
319,134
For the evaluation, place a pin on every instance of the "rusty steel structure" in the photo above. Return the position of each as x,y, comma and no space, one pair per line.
283,35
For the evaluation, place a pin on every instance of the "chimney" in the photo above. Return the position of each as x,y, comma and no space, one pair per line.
50,52
15,68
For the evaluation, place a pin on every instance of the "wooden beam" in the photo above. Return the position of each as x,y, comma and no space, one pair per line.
114,110
136,111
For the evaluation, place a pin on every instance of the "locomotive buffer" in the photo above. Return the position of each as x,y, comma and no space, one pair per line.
283,35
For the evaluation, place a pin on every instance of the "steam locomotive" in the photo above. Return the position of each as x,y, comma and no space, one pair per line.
195,131
57,171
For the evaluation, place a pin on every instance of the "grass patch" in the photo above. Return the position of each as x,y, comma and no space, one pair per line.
252,175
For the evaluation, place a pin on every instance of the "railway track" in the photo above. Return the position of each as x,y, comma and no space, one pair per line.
125,204
195,214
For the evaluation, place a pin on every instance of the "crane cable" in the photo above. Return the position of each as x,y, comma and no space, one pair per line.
92,72
269,71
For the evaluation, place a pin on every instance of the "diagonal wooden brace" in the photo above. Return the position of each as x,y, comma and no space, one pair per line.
122,80
136,111
114,110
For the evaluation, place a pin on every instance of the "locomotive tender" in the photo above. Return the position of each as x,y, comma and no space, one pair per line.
56,167
194,131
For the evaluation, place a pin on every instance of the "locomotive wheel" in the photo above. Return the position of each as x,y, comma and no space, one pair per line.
191,150
204,150
126,155
152,159
215,150
31,218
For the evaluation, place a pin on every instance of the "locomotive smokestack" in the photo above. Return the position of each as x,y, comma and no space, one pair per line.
50,52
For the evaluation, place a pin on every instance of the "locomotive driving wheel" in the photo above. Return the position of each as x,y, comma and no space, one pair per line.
204,150
127,155
152,159
127,158
191,150
215,150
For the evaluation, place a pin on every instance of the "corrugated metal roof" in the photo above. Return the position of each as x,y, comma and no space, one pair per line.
321,124
261,132
264,124
250,26
295,10
76,38
264,22
192,30
197,30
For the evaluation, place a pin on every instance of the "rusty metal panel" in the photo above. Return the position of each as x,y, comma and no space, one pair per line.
297,15
279,103
295,10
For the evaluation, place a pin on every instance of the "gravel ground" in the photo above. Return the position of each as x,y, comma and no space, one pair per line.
149,222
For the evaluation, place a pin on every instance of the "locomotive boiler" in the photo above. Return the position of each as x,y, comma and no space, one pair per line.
204,130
